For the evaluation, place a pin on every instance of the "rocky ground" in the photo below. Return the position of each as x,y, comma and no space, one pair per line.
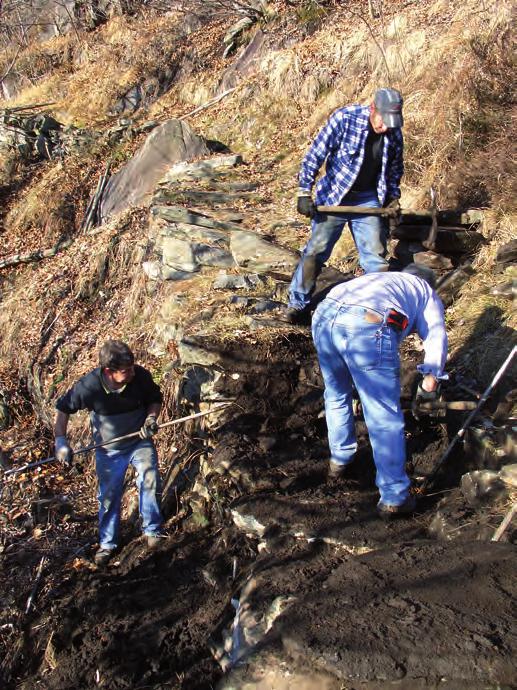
272,575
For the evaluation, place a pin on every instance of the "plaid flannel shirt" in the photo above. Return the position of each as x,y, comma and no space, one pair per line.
341,142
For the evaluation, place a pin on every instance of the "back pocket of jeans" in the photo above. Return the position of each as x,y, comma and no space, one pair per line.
364,349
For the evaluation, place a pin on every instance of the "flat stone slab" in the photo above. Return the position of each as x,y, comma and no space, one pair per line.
253,252
171,142
203,168
418,614
185,231
178,214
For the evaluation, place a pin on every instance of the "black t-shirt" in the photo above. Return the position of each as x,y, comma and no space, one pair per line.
372,162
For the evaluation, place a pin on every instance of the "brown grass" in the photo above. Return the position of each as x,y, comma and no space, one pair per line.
453,66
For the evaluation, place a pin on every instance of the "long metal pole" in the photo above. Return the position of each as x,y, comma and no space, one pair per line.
504,366
79,451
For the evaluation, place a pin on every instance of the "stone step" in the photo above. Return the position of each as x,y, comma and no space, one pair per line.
185,231
206,167
467,218
179,196
448,240
178,214
183,255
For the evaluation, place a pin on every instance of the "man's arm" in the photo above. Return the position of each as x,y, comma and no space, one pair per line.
430,326
325,141
395,166
154,409
61,423
62,449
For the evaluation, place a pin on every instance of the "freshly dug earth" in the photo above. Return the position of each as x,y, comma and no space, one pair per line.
142,622
421,612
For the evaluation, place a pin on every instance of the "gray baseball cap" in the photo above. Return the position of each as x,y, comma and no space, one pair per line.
389,103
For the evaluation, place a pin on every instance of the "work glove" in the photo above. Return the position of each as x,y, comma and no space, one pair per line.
423,396
150,427
62,450
393,205
305,205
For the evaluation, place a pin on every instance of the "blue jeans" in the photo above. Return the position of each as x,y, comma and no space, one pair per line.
111,466
370,235
351,352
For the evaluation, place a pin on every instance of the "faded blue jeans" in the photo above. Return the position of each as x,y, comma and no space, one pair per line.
111,467
370,235
352,351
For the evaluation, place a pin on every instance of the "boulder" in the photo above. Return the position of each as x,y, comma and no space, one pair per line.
155,270
481,485
206,168
507,253
229,282
253,252
245,62
179,254
170,143
189,256
449,286
508,475
432,260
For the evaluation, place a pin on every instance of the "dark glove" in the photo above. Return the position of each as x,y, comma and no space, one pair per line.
427,396
63,452
150,427
393,205
305,205
423,396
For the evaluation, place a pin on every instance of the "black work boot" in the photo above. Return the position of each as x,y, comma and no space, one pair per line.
297,317
387,511
103,556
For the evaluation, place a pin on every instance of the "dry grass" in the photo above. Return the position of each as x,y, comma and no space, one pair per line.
271,117
481,325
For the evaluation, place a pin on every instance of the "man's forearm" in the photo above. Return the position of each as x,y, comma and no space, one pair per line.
61,424
154,409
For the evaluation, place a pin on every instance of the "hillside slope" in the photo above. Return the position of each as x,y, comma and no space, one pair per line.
250,515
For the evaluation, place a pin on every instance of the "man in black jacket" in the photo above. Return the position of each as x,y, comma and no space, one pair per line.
122,398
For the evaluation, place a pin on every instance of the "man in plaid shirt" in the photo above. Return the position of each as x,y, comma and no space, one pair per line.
363,150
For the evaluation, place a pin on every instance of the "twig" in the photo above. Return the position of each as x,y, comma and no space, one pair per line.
13,61
504,524
16,259
212,101
36,585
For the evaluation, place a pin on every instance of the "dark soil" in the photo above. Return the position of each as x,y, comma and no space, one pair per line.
421,612
144,621
364,600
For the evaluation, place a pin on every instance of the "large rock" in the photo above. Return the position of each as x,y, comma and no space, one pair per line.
245,63
253,252
189,256
172,142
